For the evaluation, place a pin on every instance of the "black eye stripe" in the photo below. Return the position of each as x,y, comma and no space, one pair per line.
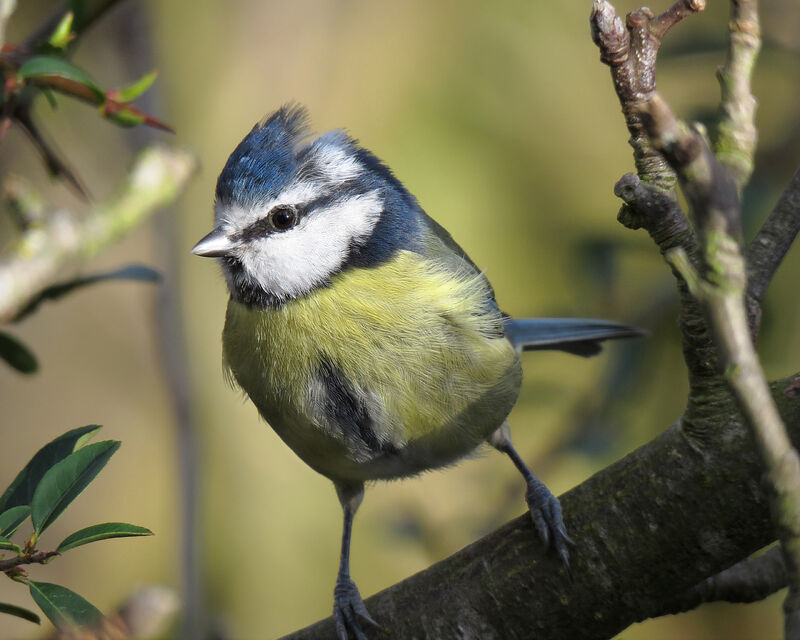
257,229
266,226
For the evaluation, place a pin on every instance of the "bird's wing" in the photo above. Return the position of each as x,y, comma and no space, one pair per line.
579,336
439,247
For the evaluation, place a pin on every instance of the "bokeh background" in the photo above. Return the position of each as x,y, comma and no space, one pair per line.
502,121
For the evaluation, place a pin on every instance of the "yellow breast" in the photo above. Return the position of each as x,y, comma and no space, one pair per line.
421,342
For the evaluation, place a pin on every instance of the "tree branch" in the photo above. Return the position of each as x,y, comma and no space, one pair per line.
38,557
750,580
665,506
735,139
713,197
659,213
767,250
43,253
57,167
655,210
6,9
630,50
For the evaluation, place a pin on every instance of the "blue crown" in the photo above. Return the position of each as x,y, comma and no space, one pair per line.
265,160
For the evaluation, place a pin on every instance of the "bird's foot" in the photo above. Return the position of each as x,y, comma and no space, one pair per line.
348,607
545,510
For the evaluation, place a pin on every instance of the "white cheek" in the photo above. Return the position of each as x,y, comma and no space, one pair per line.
290,264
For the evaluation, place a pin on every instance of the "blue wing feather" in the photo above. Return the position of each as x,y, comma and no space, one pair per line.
579,336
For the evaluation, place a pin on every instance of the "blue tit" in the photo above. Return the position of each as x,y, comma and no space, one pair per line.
364,335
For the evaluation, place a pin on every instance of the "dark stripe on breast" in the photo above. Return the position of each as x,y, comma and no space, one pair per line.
343,407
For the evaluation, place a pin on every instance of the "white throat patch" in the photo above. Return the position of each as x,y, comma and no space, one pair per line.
292,263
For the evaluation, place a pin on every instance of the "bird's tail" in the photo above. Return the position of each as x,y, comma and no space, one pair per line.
579,336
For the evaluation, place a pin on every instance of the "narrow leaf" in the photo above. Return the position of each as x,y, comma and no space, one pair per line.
51,98
102,532
62,35
138,272
124,116
63,607
20,612
16,354
127,115
136,89
21,490
83,440
12,518
66,480
7,545
50,66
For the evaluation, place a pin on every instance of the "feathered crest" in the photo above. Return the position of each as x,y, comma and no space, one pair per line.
265,159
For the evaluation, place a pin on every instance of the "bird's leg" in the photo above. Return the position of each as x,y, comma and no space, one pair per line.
544,507
347,602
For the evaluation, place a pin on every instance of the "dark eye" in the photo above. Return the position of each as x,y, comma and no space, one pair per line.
283,217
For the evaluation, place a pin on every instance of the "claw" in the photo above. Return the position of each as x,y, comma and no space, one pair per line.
544,507
545,511
348,607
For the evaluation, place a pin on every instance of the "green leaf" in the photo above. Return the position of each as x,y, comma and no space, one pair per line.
16,354
51,98
7,545
66,480
20,612
63,607
63,32
102,532
125,117
21,490
138,272
12,518
49,66
136,89
84,438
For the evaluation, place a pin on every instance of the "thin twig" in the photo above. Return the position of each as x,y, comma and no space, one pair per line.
735,139
659,213
6,9
765,253
750,580
630,50
43,253
38,557
713,197
672,16
656,211
91,11
52,159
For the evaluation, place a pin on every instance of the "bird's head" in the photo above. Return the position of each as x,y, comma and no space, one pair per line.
292,210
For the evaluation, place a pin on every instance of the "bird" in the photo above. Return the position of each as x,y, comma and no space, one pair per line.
363,333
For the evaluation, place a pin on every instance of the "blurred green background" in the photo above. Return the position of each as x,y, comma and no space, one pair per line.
500,118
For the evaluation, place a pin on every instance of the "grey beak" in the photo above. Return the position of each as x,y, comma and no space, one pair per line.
215,245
